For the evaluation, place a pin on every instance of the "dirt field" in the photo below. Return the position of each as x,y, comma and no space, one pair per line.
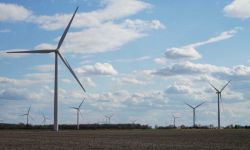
125,139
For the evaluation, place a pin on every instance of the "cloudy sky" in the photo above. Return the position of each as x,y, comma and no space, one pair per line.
137,59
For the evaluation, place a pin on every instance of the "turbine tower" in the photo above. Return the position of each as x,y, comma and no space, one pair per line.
27,116
218,92
78,112
194,108
57,53
174,117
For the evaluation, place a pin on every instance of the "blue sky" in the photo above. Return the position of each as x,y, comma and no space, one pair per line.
138,59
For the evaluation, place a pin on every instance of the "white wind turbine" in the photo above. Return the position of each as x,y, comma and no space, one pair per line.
174,117
108,118
194,108
78,112
57,53
218,92
44,119
27,116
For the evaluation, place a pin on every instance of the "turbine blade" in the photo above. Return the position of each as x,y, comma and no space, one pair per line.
199,104
66,30
214,87
189,105
81,114
29,110
225,86
31,118
74,108
71,70
81,104
34,51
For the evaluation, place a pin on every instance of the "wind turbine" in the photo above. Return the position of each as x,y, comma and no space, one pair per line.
57,53
218,92
194,111
78,111
174,117
134,121
44,119
27,116
108,117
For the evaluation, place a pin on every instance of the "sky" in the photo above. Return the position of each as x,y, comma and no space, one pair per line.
137,59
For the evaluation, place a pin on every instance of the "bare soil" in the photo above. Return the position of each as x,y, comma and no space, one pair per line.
192,139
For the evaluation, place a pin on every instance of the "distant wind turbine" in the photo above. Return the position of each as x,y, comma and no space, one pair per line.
78,112
133,121
108,118
218,92
174,117
27,116
194,108
57,53
44,119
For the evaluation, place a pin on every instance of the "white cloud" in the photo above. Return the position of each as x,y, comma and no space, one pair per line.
41,76
160,61
131,60
45,46
19,94
9,82
178,89
129,80
141,25
101,30
125,100
239,73
182,92
149,99
87,81
13,12
5,30
190,52
199,74
97,69
112,10
238,9
22,89
106,37
45,68
13,94
189,68
182,53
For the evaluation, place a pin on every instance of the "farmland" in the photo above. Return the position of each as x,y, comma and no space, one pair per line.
125,139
